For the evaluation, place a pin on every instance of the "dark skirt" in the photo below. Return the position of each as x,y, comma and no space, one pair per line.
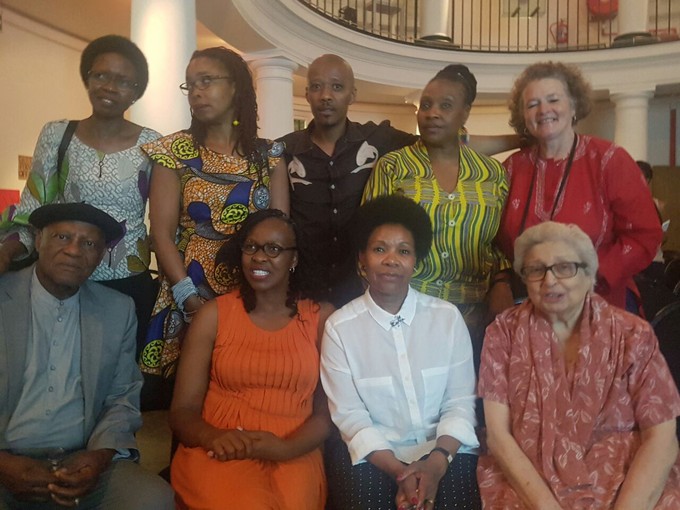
365,487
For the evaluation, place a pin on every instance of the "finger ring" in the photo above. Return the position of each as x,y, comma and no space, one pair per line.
76,501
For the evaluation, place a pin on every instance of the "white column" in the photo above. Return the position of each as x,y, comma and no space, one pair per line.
632,109
274,85
165,30
633,19
435,18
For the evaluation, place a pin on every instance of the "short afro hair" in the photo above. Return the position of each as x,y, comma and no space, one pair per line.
123,47
393,210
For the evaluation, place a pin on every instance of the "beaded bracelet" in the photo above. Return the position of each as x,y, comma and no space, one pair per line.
183,290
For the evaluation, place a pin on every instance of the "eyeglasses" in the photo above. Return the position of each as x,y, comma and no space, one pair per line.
561,270
103,78
271,250
201,83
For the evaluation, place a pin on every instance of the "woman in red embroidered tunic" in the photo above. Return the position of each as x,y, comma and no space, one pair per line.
580,405
576,179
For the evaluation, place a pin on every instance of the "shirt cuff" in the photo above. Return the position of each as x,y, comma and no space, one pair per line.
459,429
126,454
364,442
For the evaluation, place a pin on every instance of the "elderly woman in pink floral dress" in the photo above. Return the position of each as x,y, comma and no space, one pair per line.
580,405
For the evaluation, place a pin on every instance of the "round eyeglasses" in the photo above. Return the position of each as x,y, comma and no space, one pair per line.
200,83
103,78
560,270
271,250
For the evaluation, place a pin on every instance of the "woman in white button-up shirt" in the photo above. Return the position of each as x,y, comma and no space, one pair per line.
397,369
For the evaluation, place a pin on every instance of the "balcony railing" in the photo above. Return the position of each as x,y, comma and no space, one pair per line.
509,26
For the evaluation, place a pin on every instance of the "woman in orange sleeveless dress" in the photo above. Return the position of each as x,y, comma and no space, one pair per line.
248,409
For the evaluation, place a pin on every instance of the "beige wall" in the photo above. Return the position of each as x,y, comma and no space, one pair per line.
40,82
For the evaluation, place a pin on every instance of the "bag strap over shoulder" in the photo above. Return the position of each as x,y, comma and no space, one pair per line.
65,141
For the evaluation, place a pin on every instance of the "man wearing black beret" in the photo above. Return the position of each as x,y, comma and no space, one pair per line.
69,384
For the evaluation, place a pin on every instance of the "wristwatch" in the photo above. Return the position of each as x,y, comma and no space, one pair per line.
444,452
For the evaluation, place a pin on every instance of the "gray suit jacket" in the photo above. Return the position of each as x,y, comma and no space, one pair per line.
111,380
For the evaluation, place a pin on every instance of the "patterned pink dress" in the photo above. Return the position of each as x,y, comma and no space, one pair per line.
579,427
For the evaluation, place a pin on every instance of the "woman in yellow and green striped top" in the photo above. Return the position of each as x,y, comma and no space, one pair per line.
463,192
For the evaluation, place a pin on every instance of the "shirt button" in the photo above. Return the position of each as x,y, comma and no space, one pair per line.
439,283
52,367
452,223
452,196
50,389
330,164
445,254
60,319
332,186
48,412
335,211
335,239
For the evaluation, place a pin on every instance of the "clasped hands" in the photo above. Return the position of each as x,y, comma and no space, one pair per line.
238,444
418,483
38,480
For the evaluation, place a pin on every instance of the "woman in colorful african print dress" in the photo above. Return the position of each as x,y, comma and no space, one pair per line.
205,181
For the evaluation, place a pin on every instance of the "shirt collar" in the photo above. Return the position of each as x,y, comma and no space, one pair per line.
387,320
353,133
43,295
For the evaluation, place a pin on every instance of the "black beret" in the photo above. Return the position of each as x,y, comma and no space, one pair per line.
52,213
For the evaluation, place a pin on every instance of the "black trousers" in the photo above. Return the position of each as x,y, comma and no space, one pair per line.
365,487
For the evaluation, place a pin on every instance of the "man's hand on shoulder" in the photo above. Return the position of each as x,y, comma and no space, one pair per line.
25,478
79,474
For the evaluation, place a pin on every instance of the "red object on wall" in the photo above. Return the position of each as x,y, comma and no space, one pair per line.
8,197
601,10
560,32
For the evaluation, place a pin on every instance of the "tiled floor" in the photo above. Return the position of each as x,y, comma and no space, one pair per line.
154,440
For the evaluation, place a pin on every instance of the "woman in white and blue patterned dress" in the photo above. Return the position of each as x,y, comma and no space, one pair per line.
102,165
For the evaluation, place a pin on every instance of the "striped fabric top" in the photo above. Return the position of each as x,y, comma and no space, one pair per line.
464,255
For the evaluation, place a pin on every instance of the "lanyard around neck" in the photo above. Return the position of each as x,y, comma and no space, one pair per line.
563,184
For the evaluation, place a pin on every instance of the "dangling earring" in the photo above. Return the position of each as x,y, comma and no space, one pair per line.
235,122
292,270
573,120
